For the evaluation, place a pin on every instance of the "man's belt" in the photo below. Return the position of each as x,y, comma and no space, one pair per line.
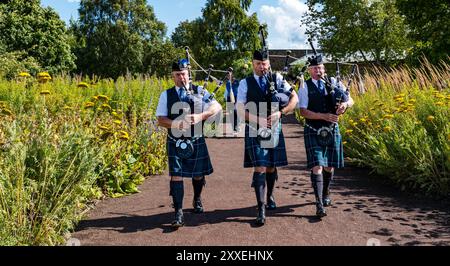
325,135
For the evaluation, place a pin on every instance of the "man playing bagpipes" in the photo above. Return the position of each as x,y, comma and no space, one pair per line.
182,110
321,102
262,99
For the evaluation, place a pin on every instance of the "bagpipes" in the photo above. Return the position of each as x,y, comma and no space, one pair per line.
337,94
275,95
193,97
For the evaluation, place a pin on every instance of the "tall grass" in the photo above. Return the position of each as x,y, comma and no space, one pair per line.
66,142
400,127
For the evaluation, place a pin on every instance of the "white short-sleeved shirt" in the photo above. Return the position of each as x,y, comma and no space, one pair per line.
161,110
243,88
303,93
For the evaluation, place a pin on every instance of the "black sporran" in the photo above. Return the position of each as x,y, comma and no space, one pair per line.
325,136
269,138
185,148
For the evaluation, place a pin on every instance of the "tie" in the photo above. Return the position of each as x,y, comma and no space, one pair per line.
320,86
182,94
262,84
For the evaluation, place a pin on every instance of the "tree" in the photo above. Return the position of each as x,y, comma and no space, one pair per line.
373,30
430,28
117,36
223,34
33,34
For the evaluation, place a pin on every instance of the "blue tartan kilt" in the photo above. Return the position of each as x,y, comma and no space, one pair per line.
256,156
196,166
326,156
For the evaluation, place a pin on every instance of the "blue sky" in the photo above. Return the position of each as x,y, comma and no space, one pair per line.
282,16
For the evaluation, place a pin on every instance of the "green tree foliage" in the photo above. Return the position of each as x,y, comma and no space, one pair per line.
373,30
430,28
115,37
31,34
224,33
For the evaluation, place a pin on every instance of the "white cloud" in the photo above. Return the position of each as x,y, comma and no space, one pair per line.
73,1
283,23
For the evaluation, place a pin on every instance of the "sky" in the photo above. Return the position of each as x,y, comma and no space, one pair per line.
281,16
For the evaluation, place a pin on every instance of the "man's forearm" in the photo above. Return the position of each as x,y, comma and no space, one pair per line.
293,101
212,111
164,121
311,115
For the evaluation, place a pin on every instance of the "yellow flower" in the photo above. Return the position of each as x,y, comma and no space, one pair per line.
7,111
430,118
44,79
440,96
89,105
348,131
344,143
354,124
24,75
43,75
363,120
45,92
388,116
83,85
67,107
103,97
387,129
117,122
440,104
116,115
103,127
379,105
400,95
124,135
351,121
106,106
377,126
412,100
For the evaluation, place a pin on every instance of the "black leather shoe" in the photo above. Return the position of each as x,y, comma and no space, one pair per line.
261,218
320,211
179,219
327,202
271,205
198,207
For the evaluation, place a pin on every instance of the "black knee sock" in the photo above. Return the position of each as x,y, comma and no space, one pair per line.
327,179
259,184
271,178
317,184
177,193
198,187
